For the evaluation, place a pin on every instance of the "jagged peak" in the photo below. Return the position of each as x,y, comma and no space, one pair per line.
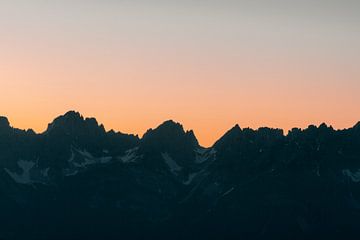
271,131
4,122
231,134
170,131
190,132
69,116
171,124
323,125
236,128
4,125
191,136
168,126
322,128
73,121
73,114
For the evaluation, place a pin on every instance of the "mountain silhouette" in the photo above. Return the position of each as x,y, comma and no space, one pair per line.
73,123
4,123
170,133
78,181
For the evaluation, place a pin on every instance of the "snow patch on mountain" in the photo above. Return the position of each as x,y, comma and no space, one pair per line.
105,159
81,159
202,175
70,172
171,163
130,156
354,176
228,192
89,159
85,163
85,154
24,177
190,179
45,172
72,157
204,155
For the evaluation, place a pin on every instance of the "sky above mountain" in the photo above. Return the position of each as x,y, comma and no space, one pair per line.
207,64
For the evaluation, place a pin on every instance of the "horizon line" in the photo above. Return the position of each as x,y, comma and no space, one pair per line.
140,136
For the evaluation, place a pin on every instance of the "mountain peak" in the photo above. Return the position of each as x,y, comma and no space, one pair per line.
236,128
72,115
4,123
72,122
323,125
325,128
170,132
230,135
171,124
168,127
69,119
192,138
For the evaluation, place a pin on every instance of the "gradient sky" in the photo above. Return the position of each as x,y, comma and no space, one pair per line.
207,64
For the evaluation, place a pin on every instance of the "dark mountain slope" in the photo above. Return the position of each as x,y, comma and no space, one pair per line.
77,181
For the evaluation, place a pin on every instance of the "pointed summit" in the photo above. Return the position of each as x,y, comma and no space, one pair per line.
73,122
236,128
170,134
324,128
323,125
4,124
192,138
230,136
67,121
168,128
72,115
234,131
170,125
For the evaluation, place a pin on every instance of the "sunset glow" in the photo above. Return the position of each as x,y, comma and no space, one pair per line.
133,65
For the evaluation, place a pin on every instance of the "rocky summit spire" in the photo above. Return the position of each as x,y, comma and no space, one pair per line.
73,122
4,124
229,136
171,134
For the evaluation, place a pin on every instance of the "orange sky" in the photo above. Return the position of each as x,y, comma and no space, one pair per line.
133,66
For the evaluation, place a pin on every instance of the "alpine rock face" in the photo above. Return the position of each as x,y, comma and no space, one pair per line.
78,181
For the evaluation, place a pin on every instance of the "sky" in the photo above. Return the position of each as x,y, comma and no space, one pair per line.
207,64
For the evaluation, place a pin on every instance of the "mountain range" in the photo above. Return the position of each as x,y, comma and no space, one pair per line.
78,181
